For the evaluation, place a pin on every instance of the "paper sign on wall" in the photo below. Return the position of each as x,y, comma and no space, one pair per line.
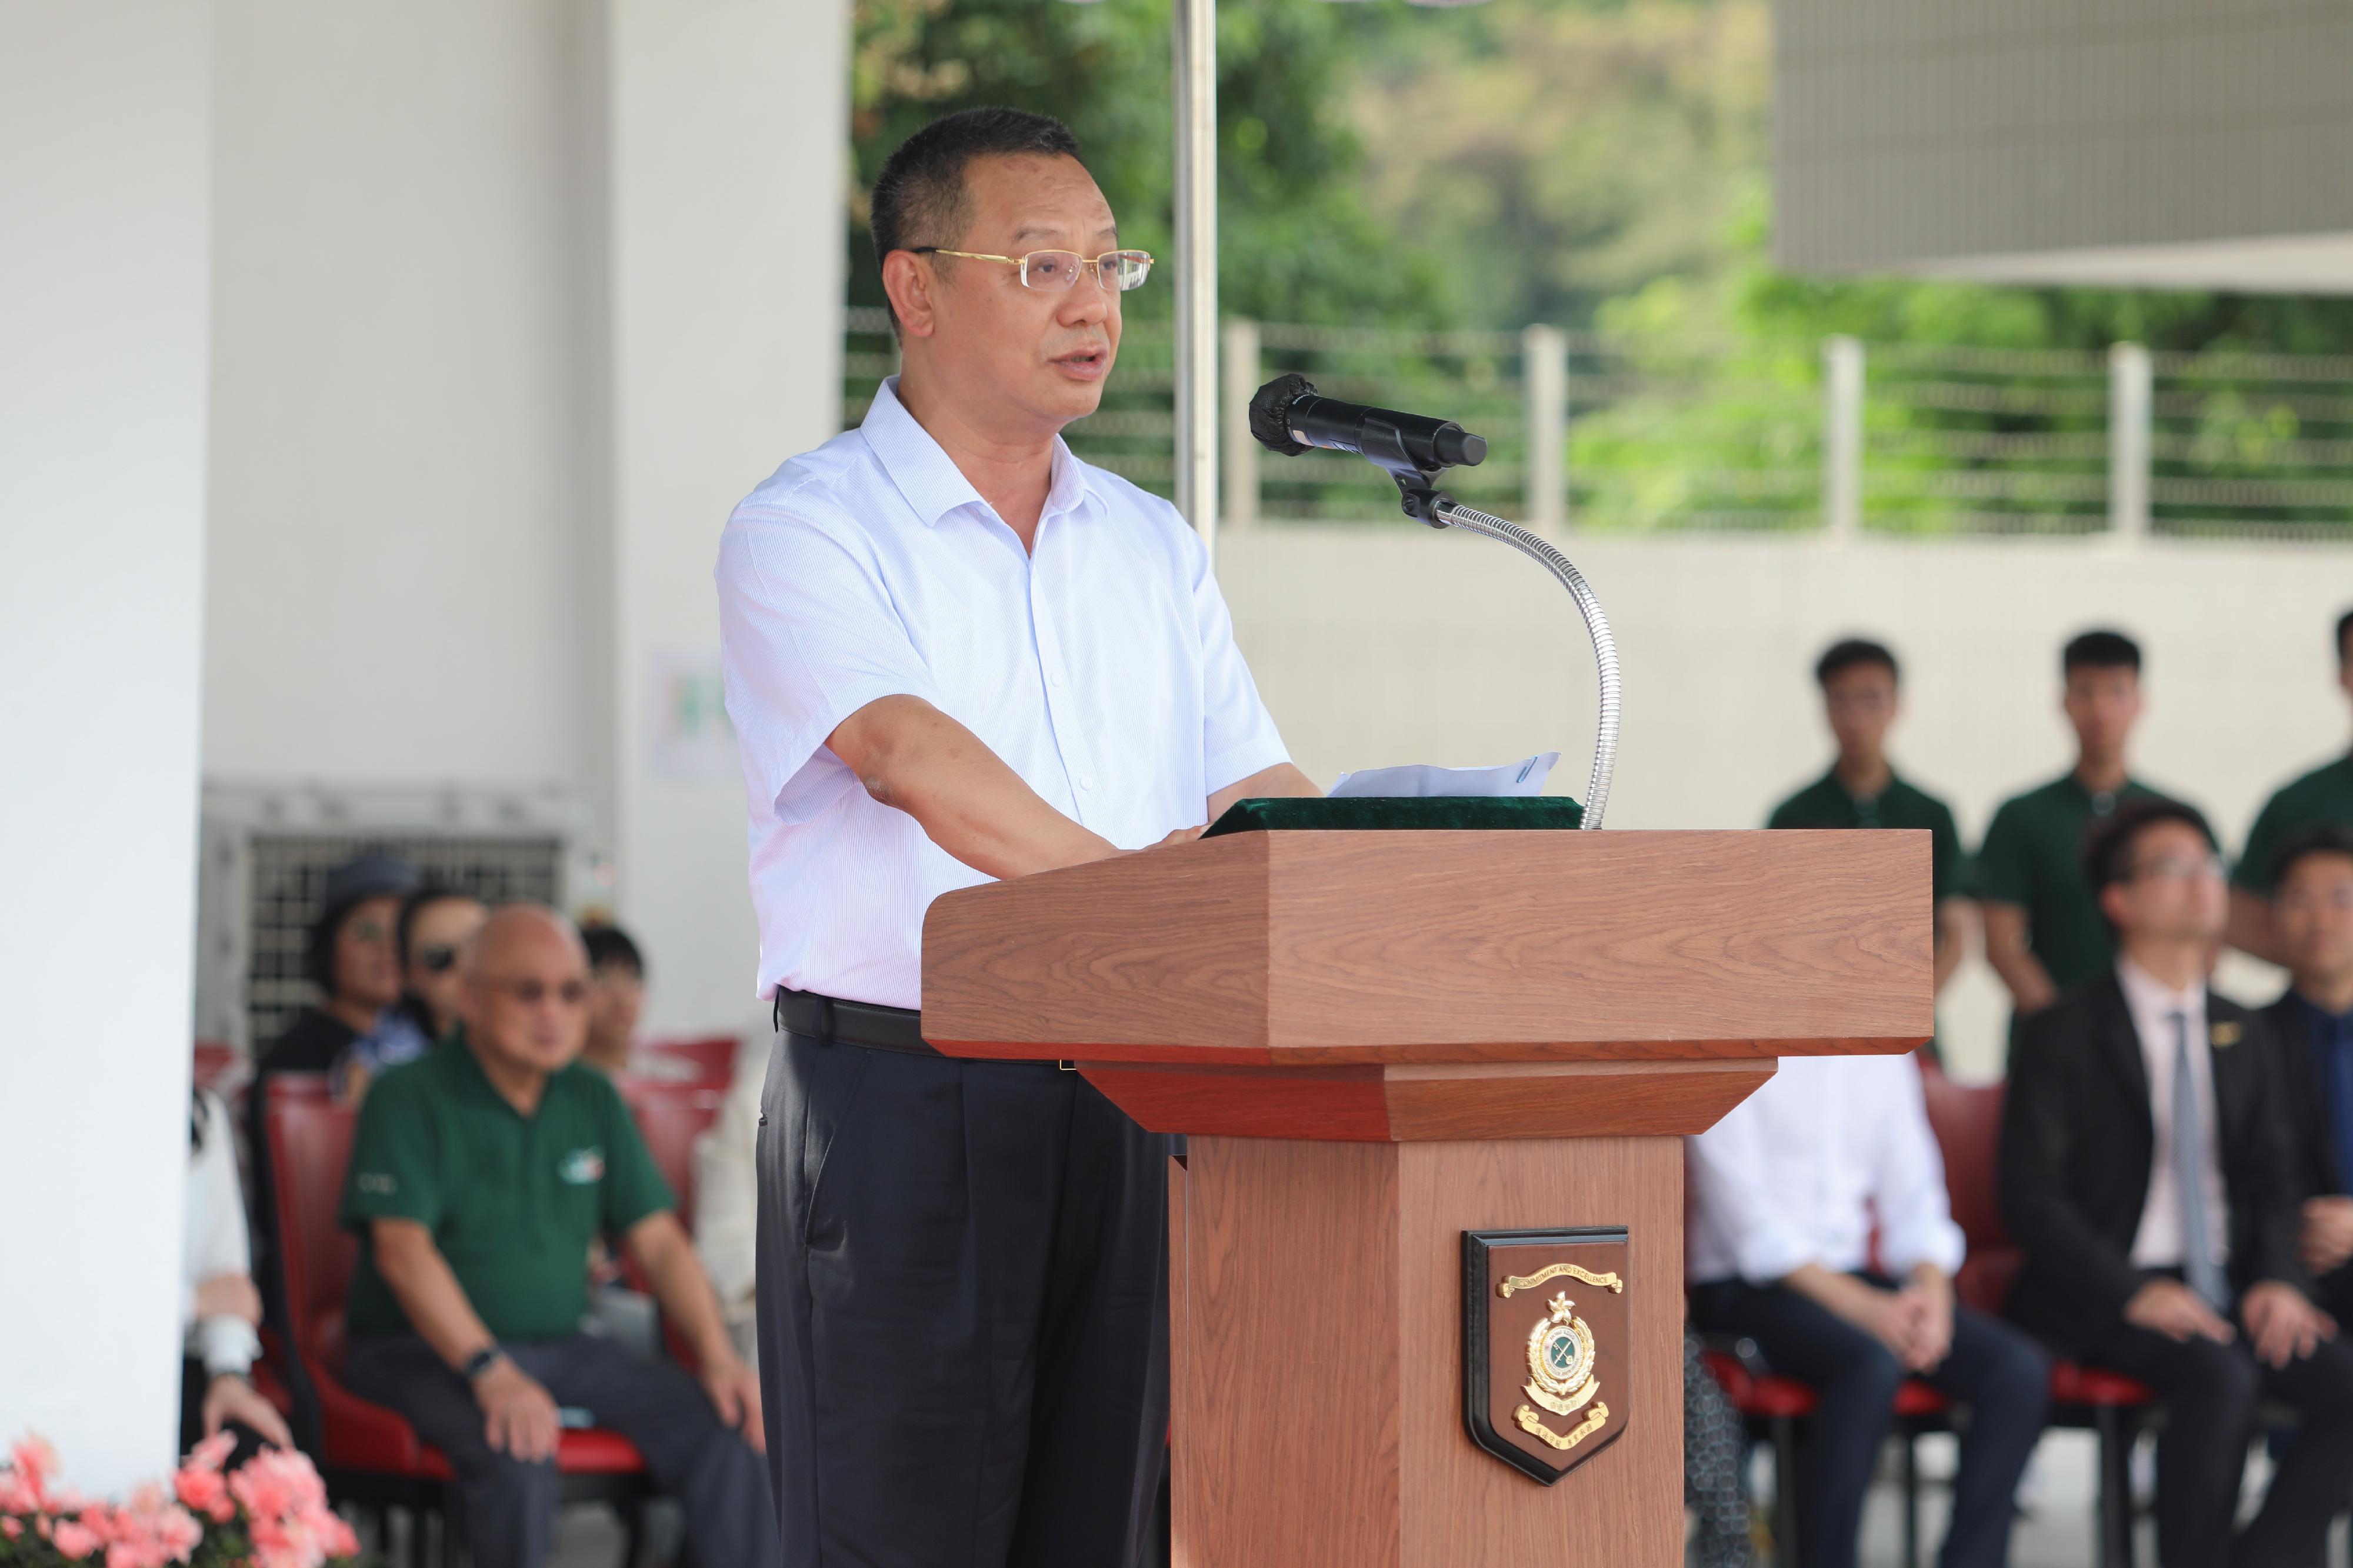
688,735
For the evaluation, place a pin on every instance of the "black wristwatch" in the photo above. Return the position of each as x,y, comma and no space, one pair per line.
481,1360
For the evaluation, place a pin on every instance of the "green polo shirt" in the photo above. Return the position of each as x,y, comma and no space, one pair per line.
512,1201
1826,804
2323,795
2033,857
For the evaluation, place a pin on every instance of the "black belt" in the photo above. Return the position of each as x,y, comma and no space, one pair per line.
831,1021
837,1022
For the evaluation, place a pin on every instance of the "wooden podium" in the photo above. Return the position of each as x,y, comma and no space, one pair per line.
1380,1042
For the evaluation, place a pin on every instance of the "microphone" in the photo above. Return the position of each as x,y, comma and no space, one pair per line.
1289,416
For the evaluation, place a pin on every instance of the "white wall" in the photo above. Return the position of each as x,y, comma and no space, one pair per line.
104,168
729,126
514,298
1377,645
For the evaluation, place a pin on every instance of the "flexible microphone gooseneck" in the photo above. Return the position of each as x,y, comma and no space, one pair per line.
1289,416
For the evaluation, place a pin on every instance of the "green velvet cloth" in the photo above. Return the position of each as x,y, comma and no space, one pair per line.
1361,813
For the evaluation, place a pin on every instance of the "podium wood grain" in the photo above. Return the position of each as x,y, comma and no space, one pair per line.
1315,1299
1334,949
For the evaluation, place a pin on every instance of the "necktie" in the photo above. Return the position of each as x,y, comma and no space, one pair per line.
2198,1265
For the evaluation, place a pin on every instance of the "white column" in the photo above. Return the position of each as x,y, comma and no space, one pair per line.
2131,403
1841,436
1545,360
1243,376
726,127
105,186
1195,95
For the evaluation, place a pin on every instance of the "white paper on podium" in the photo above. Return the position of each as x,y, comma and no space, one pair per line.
1420,779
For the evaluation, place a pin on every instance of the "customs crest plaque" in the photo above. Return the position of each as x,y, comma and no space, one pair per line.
1544,1345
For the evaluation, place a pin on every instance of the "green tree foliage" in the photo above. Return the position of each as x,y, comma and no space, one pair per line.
1298,242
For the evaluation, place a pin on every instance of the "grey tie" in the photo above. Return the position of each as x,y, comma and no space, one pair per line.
2198,1265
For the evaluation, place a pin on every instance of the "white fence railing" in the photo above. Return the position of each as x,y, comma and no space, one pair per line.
1605,432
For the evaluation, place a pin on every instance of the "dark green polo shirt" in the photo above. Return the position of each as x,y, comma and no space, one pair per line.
512,1201
1825,804
2323,795
2034,857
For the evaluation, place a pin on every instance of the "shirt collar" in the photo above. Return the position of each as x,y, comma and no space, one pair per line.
2151,997
929,477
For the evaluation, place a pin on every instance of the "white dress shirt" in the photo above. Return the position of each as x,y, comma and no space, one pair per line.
2158,1243
1797,1172
1101,668
213,1241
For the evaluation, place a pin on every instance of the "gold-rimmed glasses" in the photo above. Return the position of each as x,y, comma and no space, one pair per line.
1119,270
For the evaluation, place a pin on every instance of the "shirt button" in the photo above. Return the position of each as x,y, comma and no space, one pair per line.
1086,781
1055,681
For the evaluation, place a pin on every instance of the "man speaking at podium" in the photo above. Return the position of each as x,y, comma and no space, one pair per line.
954,652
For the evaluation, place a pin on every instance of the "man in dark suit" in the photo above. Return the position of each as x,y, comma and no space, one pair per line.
2145,1173
2310,1030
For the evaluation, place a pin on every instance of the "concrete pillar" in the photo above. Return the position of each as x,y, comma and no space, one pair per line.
2131,404
1841,438
1545,354
1243,373
105,179
726,126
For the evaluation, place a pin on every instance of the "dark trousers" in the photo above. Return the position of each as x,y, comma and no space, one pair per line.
510,1504
964,1329
2211,1393
2002,1377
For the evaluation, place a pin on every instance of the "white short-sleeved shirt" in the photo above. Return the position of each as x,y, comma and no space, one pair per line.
1101,668
1797,1172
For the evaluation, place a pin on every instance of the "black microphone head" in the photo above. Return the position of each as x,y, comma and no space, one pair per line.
1269,413
1457,447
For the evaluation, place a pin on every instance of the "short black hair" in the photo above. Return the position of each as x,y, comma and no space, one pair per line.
2327,838
2345,638
2108,851
2100,649
919,197
611,944
1848,652
415,904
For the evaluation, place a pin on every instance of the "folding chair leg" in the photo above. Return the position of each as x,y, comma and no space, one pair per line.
1785,1493
1911,1500
2115,1506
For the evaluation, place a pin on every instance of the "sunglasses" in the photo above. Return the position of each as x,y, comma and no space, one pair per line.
531,993
438,959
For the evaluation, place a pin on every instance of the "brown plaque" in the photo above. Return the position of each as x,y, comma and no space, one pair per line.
1544,1357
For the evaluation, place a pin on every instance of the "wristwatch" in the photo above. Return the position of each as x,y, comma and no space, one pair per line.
481,1360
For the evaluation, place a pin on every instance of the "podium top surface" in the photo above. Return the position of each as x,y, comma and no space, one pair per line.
1338,948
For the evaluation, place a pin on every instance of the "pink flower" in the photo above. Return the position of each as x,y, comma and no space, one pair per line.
74,1539
210,1454
205,1491
12,1528
23,1485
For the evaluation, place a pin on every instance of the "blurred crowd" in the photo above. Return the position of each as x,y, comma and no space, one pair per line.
2170,1168
2171,1172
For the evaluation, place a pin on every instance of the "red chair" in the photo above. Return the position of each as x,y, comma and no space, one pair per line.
1967,1120
216,1065
368,1454
708,1063
670,1118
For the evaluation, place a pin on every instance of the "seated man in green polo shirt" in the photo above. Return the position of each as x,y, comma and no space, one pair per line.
2044,934
480,1175
1859,681
2321,798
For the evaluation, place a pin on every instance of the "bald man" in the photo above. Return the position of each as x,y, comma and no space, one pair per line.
480,1175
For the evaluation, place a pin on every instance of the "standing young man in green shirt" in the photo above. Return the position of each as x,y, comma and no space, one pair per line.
2043,932
480,1175
1859,681
2323,796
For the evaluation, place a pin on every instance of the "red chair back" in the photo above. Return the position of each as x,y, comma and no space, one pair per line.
670,1118
216,1063
708,1063
308,1087
1967,1120
309,1150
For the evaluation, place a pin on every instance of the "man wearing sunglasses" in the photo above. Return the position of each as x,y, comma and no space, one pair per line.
954,652
480,1175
